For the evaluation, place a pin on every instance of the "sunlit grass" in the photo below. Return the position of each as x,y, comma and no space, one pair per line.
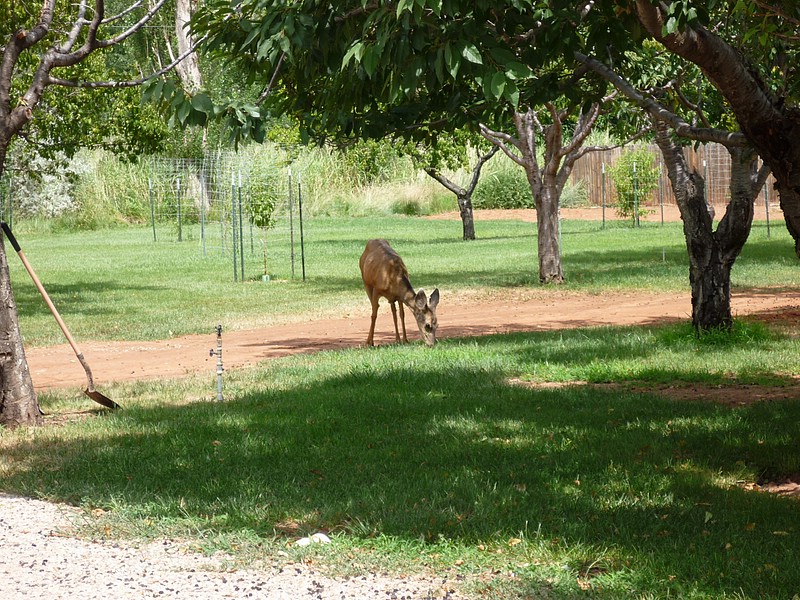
119,284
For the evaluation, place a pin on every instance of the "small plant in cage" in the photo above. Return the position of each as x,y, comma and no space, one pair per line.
264,195
635,175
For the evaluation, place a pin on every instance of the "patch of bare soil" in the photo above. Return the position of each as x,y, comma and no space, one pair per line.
654,214
592,213
459,316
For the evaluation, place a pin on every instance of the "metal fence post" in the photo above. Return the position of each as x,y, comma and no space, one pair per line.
233,227
603,192
291,222
635,196
241,227
180,221
152,206
302,242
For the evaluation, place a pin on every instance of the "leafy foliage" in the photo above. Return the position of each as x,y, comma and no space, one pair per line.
411,68
635,175
504,187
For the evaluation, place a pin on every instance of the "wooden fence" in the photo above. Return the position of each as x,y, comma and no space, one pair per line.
711,160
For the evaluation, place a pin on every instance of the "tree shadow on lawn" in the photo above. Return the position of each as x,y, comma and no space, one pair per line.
447,454
79,298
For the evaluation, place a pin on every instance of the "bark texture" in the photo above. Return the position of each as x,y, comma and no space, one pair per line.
18,402
188,70
711,253
545,195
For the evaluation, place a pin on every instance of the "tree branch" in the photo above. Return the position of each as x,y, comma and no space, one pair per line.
126,84
681,127
502,140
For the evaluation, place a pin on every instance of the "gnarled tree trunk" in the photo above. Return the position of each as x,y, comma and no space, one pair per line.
549,245
712,253
546,197
467,215
18,403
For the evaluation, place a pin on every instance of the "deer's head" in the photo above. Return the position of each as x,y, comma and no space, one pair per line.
425,313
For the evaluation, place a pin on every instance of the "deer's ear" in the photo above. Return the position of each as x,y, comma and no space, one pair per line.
434,299
420,300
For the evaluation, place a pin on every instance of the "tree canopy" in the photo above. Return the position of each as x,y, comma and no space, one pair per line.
408,67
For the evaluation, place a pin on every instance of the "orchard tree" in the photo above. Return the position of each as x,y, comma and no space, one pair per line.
681,106
749,51
451,150
45,49
547,176
463,194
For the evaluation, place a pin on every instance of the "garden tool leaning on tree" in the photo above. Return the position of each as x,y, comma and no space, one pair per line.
89,391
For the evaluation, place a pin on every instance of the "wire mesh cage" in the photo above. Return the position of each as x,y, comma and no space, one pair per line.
248,211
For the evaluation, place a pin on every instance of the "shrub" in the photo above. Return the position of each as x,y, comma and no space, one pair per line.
505,188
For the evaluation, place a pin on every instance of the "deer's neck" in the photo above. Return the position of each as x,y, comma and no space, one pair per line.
407,294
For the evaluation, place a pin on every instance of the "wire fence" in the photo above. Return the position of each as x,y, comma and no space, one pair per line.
252,216
250,211
712,161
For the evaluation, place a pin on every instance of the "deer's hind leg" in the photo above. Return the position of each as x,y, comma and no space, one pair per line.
373,298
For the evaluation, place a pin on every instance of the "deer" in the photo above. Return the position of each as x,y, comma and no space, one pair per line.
385,275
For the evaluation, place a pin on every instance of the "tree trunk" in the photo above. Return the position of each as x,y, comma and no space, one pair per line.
546,197
711,254
467,215
549,246
188,70
18,403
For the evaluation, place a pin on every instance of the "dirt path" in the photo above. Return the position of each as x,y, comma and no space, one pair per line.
521,311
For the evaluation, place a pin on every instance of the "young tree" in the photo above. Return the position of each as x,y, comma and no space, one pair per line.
463,194
43,51
548,177
451,151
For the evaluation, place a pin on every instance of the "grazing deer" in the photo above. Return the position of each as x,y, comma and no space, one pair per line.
385,274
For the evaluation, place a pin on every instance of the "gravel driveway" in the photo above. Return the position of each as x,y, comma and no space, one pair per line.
39,560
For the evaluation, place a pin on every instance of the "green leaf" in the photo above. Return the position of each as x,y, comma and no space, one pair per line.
184,108
153,90
403,6
471,53
202,102
452,60
497,84
371,60
511,93
516,70
356,51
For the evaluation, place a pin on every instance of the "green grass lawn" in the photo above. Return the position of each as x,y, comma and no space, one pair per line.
120,285
454,459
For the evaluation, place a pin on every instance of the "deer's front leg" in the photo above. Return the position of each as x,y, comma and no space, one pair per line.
403,323
394,318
